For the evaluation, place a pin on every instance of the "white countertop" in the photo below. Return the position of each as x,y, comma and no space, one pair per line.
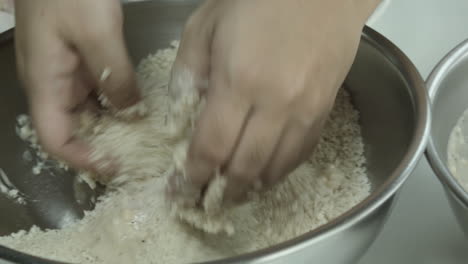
6,21
422,228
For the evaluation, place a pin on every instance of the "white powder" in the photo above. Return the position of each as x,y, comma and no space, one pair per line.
9,190
40,158
457,150
132,222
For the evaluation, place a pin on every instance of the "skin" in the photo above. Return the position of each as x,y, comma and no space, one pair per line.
273,69
269,70
62,49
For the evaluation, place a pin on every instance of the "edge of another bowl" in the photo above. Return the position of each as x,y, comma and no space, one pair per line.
363,209
433,83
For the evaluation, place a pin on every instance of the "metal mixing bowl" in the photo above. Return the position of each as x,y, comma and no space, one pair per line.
448,89
385,86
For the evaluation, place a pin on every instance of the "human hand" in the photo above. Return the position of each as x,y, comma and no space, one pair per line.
270,71
68,53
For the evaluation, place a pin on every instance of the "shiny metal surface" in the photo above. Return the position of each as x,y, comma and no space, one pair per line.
386,88
448,89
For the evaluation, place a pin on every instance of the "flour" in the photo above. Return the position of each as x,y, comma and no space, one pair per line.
35,153
457,150
9,190
133,223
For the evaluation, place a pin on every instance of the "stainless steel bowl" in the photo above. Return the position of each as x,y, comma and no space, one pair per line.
448,89
386,88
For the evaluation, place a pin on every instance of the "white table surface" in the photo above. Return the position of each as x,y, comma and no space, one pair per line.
422,228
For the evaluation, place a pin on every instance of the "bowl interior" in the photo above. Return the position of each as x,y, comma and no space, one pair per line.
449,89
381,88
449,104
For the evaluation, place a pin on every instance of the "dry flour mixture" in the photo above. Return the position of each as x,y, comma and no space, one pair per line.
132,222
457,150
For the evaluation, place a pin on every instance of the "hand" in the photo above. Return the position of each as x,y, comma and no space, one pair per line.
273,69
7,6
63,49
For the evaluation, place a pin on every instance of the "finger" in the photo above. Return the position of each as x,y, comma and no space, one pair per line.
215,137
296,145
84,82
55,128
256,147
193,53
105,54
54,93
90,104
52,96
191,69
57,95
189,78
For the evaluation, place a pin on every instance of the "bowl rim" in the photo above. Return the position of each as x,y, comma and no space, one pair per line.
366,207
433,83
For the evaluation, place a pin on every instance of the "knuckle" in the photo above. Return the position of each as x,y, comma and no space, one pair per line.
254,160
292,94
121,90
304,120
240,175
208,156
120,84
269,180
293,88
247,75
51,146
286,91
248,167
310,111
212,140
307,121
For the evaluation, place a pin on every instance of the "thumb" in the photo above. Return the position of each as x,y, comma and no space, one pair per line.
107,59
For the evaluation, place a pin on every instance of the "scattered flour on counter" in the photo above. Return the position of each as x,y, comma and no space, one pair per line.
132,222
457,150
